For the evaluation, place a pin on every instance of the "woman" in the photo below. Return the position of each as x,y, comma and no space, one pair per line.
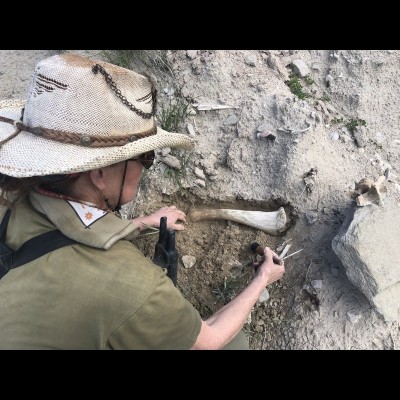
70,157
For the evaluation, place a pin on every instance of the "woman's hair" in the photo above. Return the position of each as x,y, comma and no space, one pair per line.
12,189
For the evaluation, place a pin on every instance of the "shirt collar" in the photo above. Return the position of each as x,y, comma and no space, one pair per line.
84,223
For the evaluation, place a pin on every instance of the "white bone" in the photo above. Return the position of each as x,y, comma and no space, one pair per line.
272,222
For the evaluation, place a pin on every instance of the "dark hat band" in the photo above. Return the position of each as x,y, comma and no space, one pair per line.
77,138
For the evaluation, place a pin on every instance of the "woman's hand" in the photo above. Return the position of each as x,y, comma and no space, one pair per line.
172,213
269,271
224,325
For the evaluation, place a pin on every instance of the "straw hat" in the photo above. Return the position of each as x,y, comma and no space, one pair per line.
79,115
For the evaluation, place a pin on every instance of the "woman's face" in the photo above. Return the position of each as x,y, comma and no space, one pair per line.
113,176
134,171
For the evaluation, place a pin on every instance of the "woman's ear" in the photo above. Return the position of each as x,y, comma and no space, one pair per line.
97,178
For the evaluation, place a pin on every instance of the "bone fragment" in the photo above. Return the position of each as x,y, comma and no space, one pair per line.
285,250
207,107
272,222
369,192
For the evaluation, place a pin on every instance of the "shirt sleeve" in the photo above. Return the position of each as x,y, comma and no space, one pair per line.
166,321
134,234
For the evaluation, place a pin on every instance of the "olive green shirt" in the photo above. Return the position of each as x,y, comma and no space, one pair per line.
101,293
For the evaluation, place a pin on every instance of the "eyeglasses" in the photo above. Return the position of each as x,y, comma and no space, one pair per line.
146,159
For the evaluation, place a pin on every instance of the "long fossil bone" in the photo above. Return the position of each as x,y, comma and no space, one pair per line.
272,222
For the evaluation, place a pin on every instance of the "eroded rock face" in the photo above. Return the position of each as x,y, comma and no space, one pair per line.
368,246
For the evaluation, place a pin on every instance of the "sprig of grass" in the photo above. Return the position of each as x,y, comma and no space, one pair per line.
353,123
173,114
147,234
149,227
296,88
122,58
308,80
178,175
325,98
336,121
227,291
154,59
379,146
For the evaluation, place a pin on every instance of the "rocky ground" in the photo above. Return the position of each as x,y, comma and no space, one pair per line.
281,128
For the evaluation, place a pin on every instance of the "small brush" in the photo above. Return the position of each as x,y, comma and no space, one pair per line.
257,248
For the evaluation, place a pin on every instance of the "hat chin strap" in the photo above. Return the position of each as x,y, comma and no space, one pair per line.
117,208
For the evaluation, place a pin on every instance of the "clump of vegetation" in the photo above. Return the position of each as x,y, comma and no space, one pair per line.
151,59
308,80
374,142
54,52
296,88
227,291
325,98
178,175
336,121
122,58
172,115
353,123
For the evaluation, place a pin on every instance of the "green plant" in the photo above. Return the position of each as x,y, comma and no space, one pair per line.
325,98
205,311
173,114
150,228
177,175
227,291
336,121
353,123
154,59
308,80
379,146
296,88
122,58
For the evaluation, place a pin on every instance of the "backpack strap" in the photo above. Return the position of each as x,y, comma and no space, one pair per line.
3,225
31,249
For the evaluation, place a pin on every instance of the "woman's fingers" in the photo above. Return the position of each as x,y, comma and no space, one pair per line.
173,215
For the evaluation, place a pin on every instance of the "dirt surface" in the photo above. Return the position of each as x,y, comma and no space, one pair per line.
309,167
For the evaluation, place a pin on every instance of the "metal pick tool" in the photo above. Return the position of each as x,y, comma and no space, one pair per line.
292,254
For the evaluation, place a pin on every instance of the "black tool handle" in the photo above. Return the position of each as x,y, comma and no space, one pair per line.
161,256
172,270
166,254
257,248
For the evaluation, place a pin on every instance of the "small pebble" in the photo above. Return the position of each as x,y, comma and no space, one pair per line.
188,261
316,284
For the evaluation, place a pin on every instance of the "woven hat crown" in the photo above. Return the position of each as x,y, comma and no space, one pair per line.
70,93
79,115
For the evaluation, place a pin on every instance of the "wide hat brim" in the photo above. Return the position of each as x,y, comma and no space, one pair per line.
28,155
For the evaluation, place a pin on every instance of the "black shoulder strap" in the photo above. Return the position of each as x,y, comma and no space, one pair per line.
39,246
31,249
3,225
